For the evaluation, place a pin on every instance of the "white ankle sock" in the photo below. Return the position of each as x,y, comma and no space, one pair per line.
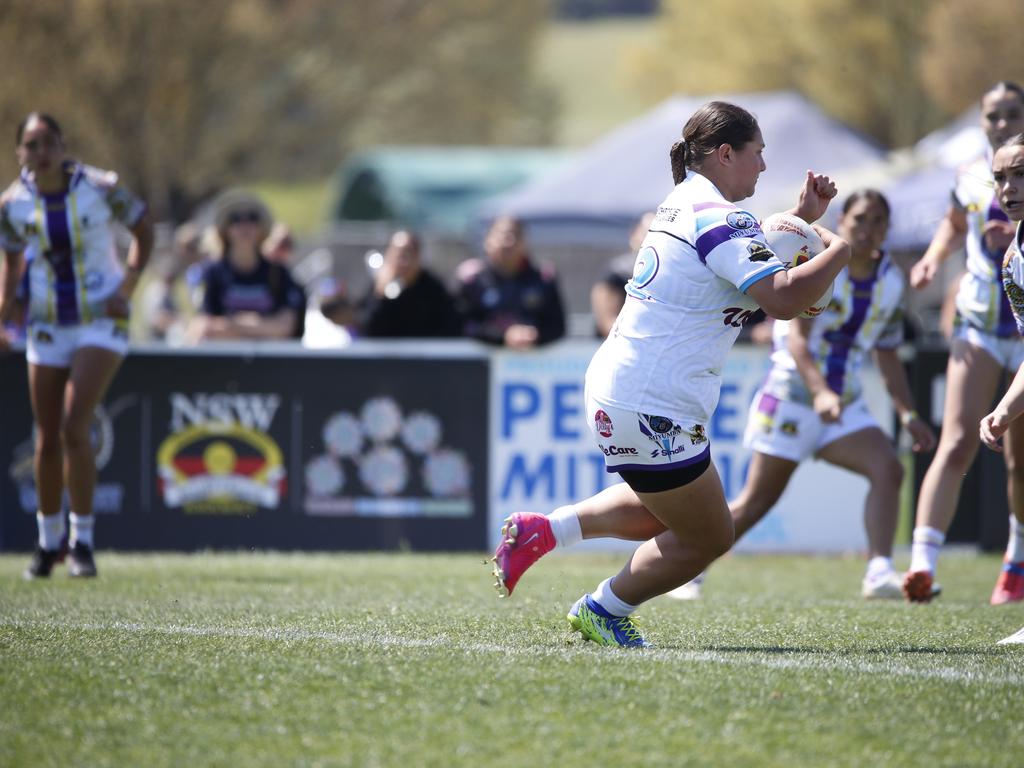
608,600
51,530
81,529
924,551
878,566
565,525
1015,546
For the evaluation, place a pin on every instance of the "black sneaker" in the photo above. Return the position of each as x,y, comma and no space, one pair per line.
80,562
42,563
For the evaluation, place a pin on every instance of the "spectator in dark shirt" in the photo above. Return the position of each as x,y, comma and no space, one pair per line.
406,300
507,299
609,293
244,295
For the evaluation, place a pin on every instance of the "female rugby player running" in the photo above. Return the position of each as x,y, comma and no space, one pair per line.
702,271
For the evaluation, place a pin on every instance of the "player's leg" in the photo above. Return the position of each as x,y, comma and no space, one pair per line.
46,392
699,529
869,453
92,370
1009,587
615,512
972,375
767,478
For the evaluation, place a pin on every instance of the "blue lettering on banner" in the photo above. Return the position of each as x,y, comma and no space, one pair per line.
566,412
518,401
725,412
554,476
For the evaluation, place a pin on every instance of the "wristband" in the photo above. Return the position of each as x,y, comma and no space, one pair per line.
908,416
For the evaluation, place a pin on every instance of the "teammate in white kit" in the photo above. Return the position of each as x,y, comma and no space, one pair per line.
58,216
985,344
1008,173
812,403
702,271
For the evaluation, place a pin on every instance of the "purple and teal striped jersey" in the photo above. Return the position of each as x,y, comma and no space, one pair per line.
685,305
68,242
863,315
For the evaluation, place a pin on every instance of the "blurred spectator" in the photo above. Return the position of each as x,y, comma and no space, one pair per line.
407,300
506,299
279,247
245,296
609,293
330,316
170,300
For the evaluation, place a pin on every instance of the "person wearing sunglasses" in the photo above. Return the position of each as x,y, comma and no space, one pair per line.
62,271
246,296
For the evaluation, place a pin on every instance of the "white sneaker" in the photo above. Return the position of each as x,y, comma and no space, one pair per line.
691,590
1017,638
883,586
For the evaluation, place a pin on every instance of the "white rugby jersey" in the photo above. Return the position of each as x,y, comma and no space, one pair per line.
1013,277
980,299
685,305
71,258
862,315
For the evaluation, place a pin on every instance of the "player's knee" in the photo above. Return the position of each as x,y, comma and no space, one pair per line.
959,454
887,473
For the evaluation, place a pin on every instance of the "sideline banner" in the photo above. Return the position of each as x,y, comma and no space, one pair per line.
285,451
542,454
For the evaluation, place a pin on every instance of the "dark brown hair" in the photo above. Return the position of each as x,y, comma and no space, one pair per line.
714,124
867,194
42,117
1006,85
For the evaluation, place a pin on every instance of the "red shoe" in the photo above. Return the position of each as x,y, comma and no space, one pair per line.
526,537
917,587
1009,585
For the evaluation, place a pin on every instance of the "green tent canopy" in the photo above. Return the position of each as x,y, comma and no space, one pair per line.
436,189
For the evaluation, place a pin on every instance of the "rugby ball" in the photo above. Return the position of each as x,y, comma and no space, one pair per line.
794,241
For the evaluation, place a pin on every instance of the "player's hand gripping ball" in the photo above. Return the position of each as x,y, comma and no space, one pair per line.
794,242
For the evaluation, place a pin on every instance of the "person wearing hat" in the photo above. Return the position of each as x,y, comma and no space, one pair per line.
245,296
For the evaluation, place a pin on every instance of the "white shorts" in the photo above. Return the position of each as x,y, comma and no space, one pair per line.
793,431
54,345
631,440
1008,351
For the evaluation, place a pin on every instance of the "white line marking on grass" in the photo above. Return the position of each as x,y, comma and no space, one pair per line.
803,662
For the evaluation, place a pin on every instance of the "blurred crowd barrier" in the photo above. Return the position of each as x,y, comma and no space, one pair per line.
424,446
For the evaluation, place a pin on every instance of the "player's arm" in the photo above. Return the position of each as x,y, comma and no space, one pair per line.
786,293
138,256
895,377
949,237
1010,407
827,403
9,281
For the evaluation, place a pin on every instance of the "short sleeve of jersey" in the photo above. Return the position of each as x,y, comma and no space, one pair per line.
1013,278
10,240
731,244
892,335
124,206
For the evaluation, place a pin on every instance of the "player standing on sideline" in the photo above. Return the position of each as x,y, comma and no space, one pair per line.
812,403
58,216
985,343
651,388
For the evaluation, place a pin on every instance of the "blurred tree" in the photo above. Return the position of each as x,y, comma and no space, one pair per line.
183,97
970,46
857,59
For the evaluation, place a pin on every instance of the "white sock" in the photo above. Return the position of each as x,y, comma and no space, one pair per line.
565,525
878,566
1015,546
81,529
924,551
608,600
51,530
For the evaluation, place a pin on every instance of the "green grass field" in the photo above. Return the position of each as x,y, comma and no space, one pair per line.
408,660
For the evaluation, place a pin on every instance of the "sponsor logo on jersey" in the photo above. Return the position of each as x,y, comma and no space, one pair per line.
759,252
613,450
697,434
740,220
603,423
667,214
789,428
667,452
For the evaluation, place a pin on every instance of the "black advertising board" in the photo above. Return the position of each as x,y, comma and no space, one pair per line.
275,449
